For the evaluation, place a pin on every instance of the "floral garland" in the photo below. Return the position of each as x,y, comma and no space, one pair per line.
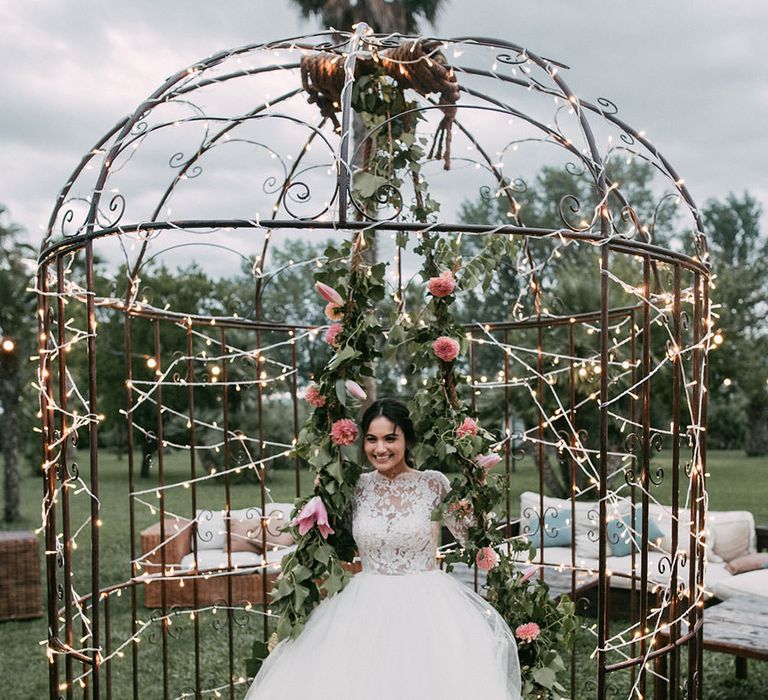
452,440
322,529
450,437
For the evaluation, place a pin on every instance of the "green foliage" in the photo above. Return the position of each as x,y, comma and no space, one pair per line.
315,569
392,151
522,601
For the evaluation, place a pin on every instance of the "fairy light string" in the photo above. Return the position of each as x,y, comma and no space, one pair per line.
177,109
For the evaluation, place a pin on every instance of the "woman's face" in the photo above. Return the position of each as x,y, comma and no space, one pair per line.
385,445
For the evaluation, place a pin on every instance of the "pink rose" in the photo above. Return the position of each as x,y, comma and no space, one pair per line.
329,294
331,335
488,461
445,348
443,285
487,558
528,632
354,389
468,427
332,312
314,397
344,431
313,512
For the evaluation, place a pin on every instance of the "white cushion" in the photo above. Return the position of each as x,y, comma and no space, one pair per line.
749,583
211,530
733,532
662,516
211,559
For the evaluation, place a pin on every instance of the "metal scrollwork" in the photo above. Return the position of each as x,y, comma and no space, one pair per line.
573,205
607,107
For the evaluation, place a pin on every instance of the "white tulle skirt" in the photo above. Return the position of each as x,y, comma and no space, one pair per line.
422,636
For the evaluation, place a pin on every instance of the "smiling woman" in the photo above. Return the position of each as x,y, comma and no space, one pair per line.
388,437
402,628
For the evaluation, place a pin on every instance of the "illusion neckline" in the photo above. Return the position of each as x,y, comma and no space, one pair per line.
378,475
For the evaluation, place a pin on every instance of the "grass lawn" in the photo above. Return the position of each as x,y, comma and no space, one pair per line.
735,483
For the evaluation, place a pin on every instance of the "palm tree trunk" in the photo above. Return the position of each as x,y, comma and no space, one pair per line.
9,399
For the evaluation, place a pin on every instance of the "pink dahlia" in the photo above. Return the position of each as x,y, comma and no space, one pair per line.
443,285
529,632
468,427
488,461
331,335
344,431
487,558
329,294
313,512
461,510
314,397
333,312
445,348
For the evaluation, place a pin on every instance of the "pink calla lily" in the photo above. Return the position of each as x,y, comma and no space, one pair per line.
313,512
528,574
488,461
329,294
354,389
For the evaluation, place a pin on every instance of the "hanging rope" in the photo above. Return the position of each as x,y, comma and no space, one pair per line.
415,65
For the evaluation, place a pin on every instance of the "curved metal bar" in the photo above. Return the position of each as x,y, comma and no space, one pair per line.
622,245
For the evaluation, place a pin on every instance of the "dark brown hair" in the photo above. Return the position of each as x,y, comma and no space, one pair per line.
395,411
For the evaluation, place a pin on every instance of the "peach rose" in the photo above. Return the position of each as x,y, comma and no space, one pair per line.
313,396
443,285
487,558
344,431
331,335
445,348
529,632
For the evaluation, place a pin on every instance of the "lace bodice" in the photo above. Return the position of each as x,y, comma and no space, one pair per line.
392,521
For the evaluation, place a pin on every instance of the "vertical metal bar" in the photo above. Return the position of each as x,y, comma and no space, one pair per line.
645,467
161,492
674,633
228,509
602,582
262,485
193,496
473,370
572,495
705,315
508,443
695,554
540,430
131,500
93,439
49,470
633,403
295,400
64,473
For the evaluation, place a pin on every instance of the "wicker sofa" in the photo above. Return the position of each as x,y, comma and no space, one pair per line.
214,559
730,536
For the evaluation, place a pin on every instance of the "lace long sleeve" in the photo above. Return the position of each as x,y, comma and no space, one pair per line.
457,516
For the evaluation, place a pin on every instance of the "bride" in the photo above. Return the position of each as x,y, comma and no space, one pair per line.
402,629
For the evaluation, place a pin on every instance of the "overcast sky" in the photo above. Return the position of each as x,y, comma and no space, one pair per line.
689,72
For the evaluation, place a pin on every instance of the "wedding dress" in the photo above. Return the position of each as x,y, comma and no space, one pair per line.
402,629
